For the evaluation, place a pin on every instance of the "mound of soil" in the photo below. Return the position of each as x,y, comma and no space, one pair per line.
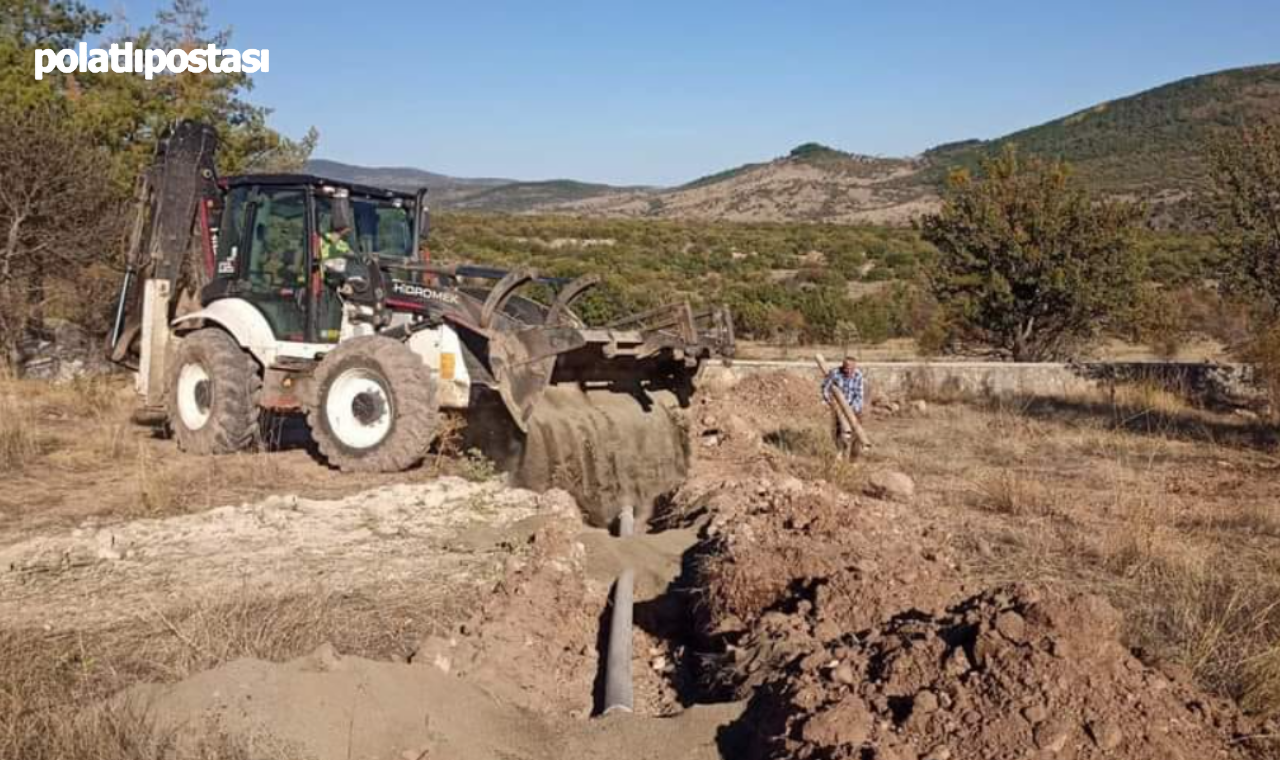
730,426
849,623
780,547
770,391
330,707
533,640
517,679
1011,673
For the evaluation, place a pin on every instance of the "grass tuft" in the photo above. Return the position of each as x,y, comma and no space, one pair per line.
20,444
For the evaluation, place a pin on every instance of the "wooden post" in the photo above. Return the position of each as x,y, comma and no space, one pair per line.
842,406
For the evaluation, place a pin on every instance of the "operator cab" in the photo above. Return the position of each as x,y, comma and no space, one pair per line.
274,232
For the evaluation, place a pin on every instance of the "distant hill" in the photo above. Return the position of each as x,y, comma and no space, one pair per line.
811,183
443,188
1149,145
516,197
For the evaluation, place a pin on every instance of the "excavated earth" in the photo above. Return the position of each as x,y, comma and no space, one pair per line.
776,617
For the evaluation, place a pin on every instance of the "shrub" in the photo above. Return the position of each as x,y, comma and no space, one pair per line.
1028,262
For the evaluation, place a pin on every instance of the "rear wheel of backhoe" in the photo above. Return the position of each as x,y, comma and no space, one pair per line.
212,394
374,406
609,450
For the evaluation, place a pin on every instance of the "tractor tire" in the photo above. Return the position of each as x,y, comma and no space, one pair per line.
212,393
373,406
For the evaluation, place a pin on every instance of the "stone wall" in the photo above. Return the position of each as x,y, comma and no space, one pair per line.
1224,384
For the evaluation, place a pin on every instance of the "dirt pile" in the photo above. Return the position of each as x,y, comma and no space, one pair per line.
330,707
731,418
533,640
854,628
1014,672
786,561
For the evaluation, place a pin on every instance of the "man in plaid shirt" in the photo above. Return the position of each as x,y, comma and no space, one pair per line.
849,381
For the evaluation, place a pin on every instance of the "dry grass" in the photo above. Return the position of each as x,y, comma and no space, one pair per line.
1148,398
926,385
1009,492
1169,510
32,411
160,491
20,443
811,454
56,690
76,453
109,731
1180,534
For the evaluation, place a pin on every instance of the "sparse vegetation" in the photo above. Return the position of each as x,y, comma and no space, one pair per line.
767,273
1145,144
791,284
1149,528
476,467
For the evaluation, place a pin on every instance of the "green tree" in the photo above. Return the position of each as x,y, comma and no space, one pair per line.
56,214
1245,205
127,113
71,146
1028,262
29,24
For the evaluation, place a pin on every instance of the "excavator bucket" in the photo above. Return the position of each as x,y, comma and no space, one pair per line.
595,406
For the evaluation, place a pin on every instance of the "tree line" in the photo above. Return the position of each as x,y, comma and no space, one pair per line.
73,145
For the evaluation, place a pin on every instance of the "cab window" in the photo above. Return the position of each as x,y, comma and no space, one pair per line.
277,264
384,227
231,232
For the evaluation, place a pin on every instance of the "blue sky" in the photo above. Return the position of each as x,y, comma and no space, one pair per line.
663,92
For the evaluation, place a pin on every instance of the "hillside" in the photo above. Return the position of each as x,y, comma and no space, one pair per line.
1148,145
811,183
516,197
1151,143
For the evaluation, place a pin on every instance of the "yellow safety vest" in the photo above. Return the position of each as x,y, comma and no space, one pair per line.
333,244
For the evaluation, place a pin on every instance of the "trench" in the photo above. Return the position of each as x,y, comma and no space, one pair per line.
666,620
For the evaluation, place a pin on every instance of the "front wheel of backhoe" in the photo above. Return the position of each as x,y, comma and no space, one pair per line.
212,394
374,407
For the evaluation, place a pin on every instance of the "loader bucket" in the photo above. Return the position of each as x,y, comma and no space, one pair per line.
595,407
657,351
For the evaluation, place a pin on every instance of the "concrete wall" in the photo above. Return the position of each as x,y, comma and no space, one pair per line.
1212,383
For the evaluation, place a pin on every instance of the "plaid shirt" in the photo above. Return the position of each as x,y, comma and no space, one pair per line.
850,385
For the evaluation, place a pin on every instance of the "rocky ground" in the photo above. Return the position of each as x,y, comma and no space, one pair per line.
987,582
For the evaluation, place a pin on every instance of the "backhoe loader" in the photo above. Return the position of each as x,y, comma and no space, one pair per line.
290,293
